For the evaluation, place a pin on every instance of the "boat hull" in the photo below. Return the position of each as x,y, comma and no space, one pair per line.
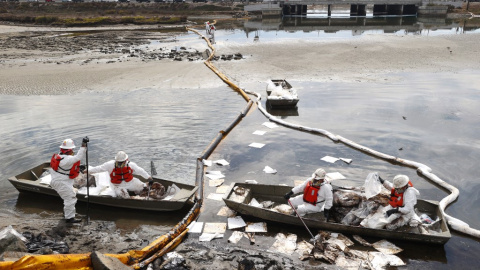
28,182
282,103
275,194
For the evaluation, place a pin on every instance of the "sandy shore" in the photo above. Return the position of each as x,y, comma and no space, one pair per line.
367,58
57,69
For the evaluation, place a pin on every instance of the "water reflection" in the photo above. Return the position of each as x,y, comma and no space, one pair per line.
169,127
354,26
282,112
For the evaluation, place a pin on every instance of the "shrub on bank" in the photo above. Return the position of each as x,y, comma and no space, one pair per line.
45,19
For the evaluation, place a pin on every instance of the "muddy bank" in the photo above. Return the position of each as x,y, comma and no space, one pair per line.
67,61
55,236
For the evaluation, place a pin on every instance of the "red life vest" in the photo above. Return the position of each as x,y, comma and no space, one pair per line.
55,164
310,193
396,199
120,174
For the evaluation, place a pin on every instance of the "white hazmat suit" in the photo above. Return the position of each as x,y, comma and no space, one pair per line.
121,190
325,195
64,185
396,220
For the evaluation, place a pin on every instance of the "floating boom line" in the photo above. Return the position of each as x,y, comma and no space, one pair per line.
423,169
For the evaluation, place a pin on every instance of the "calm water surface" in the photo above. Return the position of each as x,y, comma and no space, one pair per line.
440,129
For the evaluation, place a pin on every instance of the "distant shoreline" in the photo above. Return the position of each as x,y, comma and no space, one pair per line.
67,68
88,14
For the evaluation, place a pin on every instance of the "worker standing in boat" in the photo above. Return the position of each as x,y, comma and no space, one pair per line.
121,172
315,191
403,198
65,166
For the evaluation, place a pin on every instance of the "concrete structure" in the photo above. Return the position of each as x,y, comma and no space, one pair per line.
433,10
357,25
361,8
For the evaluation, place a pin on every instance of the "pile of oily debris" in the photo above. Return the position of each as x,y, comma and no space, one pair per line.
351,207
337,249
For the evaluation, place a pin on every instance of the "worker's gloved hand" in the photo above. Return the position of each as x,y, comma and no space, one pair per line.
380,179
150,181
326,214
85,140
391,212
82,168
288,195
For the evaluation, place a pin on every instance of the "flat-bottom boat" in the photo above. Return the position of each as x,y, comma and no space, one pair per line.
29,181
281,95
240,203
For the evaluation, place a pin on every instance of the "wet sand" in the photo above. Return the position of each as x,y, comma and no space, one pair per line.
365,59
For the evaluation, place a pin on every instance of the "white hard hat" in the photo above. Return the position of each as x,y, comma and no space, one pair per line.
121,156
400,181
319,174
67,144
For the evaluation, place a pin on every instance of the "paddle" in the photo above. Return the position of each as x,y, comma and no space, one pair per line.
313,237
153,172
86,140
152,168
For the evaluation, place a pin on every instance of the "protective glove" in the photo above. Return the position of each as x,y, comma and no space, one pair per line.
82,168
85,140
150,181
380,179
391,211
288,195
326,214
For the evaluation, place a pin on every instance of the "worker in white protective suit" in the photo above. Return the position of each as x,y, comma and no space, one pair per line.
210,29
315,192
65,166
121,172
401,208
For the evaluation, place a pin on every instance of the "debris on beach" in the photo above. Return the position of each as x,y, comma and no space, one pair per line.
251,237
361,241
236,222
255,227
337,249
285,243
226,212
386,247
235,237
